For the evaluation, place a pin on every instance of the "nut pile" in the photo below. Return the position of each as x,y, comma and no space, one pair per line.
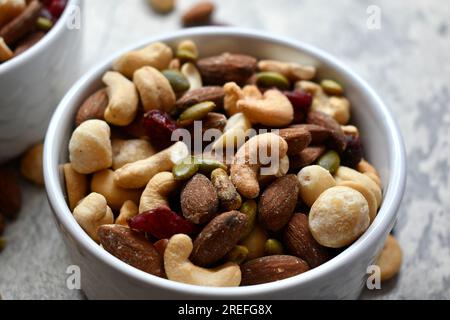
24,22
142,183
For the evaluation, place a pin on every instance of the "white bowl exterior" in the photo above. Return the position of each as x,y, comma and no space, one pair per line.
32,85
104,276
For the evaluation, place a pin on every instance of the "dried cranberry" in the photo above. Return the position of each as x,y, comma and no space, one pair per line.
159,127
56,8
301,101
162,223
353,153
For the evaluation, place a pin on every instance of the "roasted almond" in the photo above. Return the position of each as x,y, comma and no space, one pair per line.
227,67
318,134
300,242
277,203
199,200
10,193
306,157
337,140
93,107
211,93
271,268
132,248
199,14
218,238
296,138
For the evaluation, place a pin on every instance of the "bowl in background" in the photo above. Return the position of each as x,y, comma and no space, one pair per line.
32,84
105,277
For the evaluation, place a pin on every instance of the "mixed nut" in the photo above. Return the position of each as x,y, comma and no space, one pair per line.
24,22
218,171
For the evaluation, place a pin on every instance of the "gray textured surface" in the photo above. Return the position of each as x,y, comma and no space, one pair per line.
406,61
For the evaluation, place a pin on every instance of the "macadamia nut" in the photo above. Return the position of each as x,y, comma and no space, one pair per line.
128,151
314,180
90,147
338,217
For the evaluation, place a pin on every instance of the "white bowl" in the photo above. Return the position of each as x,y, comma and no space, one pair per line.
32,84
104,276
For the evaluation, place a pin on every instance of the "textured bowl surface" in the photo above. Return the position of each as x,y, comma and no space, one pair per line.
104,276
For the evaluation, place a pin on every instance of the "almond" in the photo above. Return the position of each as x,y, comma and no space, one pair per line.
199,200
278,202
300,242
93,108
318,134
306,157
296,138
132,248
218,238
22,24
199,14
271,268
337,140
10,193
227,67
208,93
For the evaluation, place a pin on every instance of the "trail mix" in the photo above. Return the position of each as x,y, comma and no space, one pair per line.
24,22
235,209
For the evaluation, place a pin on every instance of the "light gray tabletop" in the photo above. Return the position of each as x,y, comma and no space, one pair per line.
406,61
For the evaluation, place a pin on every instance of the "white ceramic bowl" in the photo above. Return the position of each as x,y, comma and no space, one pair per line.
32,84
104,276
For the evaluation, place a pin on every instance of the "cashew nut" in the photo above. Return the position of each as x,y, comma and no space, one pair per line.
345,174
129,210
9,9
336,107
90,147
128,151
31,165
233,94
278,172
293,71
274,109
137,174
193,75
179,268
350,131
123,99
247,162
93,212
234,134
366,168
154,89
157,55
77,185
104,184
157,191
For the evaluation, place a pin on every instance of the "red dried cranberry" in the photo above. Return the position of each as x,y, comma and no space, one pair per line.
159,127
301,101
353,153
56,8
162,223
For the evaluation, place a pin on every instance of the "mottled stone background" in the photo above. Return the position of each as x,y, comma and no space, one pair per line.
406,61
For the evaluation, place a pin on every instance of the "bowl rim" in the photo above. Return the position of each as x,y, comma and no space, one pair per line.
388,211
39,47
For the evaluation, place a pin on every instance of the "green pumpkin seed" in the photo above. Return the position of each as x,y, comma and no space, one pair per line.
177,80
330,161
250,209
237,255
197,112
332,87
185,169
272,79
44,24
187,51
207,165
273,247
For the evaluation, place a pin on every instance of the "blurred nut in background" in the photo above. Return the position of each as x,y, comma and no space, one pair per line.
199,14
31,165
162,6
